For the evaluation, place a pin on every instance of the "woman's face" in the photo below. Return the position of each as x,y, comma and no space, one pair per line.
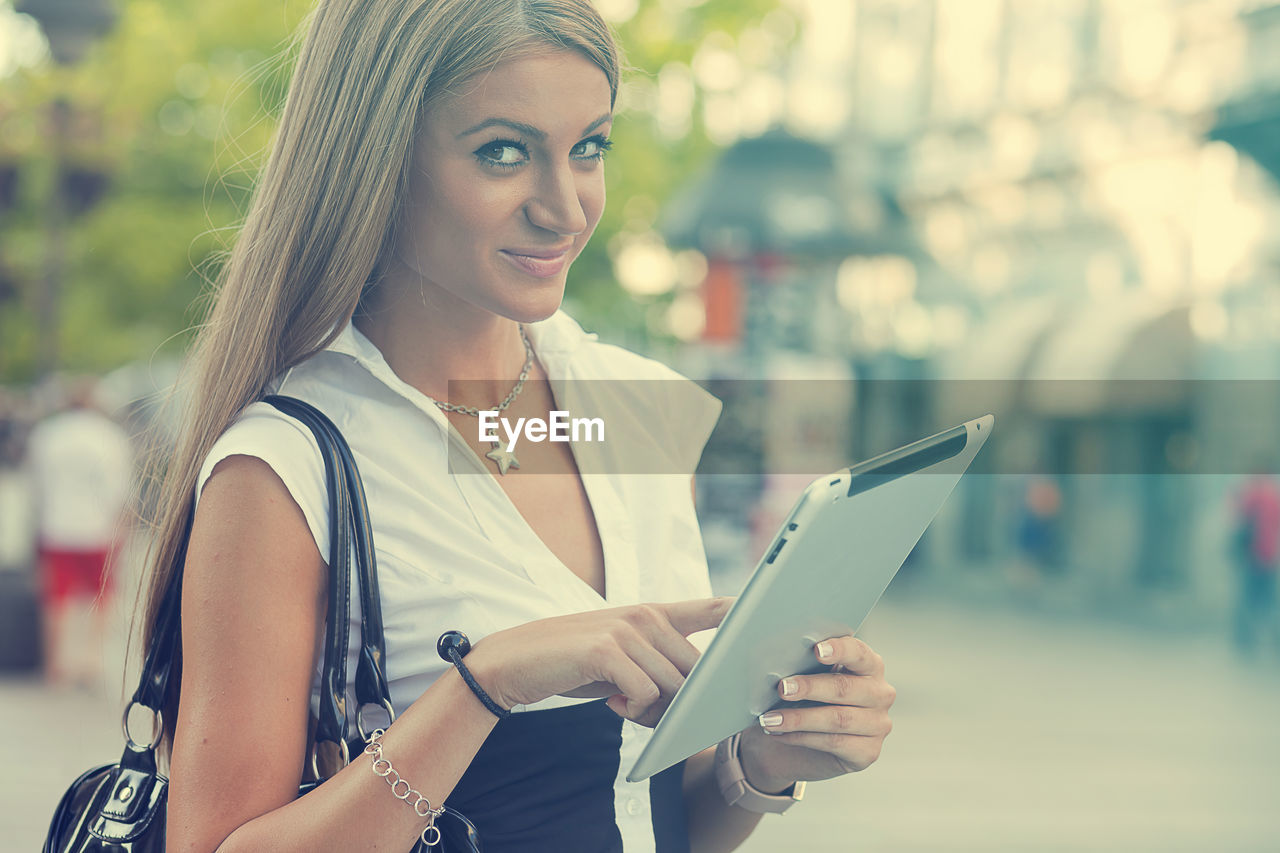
507,185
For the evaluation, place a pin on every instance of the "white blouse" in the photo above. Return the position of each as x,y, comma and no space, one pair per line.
452,550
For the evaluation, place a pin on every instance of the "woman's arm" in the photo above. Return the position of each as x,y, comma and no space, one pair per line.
843,734
253,601
714,825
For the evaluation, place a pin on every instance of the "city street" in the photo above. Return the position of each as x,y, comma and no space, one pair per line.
1012,732
851,236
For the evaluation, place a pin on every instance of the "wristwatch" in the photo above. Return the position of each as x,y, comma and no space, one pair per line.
737,790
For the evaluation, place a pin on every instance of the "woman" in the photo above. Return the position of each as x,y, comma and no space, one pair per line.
436,171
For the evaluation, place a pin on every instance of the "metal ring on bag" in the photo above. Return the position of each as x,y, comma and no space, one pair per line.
315,751
157,728
427,837
386,706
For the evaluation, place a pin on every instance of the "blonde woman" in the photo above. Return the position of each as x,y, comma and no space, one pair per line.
437,170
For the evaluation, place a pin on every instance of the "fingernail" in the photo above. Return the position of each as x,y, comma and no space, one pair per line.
824,650
789,687
773,718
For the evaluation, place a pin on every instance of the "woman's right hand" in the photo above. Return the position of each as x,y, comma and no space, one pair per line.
638,656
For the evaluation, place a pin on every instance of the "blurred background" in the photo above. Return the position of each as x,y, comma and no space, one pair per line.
859,222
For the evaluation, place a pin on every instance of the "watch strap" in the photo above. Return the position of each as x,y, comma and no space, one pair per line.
737,791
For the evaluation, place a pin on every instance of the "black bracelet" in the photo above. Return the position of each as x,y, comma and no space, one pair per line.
451,646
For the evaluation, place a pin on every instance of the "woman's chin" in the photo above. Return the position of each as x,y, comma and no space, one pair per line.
532,310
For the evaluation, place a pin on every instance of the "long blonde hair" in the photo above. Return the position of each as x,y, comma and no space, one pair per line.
324,212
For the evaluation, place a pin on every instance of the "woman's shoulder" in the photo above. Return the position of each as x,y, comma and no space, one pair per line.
617,362
264,432
594,357
262,426
674,412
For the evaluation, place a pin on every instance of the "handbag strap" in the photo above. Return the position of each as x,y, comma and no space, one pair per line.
348,524
332,724
371,670
153,684
371,686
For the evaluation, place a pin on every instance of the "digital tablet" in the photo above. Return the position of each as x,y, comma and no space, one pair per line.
834,555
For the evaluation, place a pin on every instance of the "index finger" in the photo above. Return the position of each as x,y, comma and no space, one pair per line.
699,614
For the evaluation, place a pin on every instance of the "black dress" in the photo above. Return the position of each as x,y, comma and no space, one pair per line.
543,783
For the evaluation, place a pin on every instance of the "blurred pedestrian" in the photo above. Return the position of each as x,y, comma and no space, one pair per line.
1037,533
1256,549
80,464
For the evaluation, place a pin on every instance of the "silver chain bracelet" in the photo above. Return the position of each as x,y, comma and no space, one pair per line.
421,805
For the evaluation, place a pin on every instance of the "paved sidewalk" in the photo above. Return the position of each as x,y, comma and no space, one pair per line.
54,735
1012,733
1018,733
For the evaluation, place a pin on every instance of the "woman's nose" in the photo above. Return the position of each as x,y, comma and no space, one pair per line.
556,205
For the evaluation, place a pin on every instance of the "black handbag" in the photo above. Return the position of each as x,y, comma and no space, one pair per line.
121,807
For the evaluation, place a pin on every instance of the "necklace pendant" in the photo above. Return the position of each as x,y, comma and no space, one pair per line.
503,458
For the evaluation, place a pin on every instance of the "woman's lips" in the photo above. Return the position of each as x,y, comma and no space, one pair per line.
539,267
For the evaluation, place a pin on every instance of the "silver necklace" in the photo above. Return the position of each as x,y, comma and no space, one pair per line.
499,455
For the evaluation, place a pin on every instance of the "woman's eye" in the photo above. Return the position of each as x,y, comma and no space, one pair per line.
595,147
503,153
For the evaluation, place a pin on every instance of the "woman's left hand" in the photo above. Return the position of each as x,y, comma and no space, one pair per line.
842,735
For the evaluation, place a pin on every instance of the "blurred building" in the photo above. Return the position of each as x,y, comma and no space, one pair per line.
1061,212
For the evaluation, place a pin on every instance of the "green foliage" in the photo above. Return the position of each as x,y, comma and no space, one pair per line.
176,107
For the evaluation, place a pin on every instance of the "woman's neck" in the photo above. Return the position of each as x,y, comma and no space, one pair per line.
431,337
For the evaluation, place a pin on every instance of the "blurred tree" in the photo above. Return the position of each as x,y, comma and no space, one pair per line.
177,107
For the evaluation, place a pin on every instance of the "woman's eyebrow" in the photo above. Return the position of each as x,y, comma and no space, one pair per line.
527,129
